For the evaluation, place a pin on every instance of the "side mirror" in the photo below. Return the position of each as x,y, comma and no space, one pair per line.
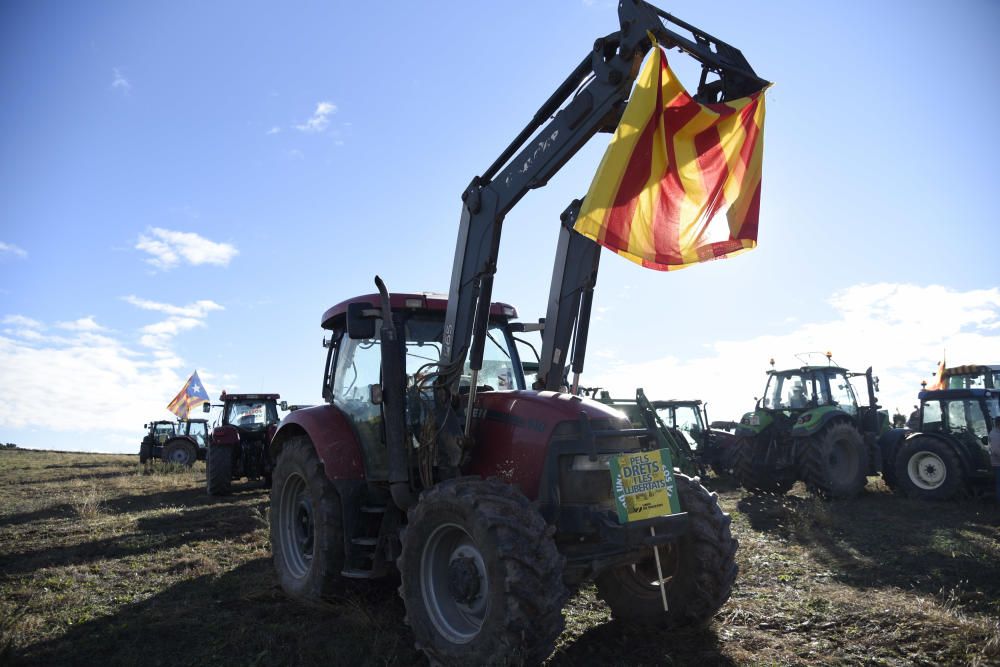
361,321
145,425
283,405
206,407
375,394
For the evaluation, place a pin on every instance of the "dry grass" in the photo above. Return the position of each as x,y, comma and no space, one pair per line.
103,562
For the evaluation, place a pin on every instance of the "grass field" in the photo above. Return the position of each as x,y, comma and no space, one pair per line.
101,564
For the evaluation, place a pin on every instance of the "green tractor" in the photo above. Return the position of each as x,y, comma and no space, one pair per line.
681,427
809,426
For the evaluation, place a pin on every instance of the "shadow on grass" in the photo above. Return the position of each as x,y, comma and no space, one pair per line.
237,618
613,643
951,550
221,520
188,497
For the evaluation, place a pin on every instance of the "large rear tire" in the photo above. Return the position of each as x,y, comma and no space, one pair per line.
180,452
699,569
927,468
753,477
835,462
307,537
219,470
481,576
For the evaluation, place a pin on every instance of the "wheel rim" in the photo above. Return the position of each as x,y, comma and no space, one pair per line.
644,572
297,530
842,460
179,455
454,583
927,470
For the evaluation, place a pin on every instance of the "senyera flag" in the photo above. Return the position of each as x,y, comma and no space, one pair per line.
191,396
680,182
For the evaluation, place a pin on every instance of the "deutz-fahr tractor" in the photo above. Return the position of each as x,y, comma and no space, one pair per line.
238,447
947,454
431,458
809,426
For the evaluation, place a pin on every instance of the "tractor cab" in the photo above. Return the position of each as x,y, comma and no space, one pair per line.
161,431
971,376
810,387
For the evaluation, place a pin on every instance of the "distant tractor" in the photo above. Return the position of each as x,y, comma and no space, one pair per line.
681,426
238,447
809,426
971,376
187,445
157,433
947,454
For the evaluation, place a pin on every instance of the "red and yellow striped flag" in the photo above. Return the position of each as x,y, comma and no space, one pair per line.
680,181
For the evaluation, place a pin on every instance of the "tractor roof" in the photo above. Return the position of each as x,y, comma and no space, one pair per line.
808,369
249,397
427,301
953,394
970,369
673,402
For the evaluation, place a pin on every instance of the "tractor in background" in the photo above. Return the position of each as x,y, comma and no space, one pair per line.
682,427
810,427
182,442
971,376
946,454
239,446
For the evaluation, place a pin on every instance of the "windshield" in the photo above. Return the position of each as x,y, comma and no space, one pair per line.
791,390
842,392
359,361
163,431
250,414
686,419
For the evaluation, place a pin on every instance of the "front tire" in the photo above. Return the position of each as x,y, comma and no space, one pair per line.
219,470
927,468
699,569
145,451
753,477
307,537
835,463
180,452
481,576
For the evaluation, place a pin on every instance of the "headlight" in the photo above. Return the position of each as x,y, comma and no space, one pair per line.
583,462
804,418
755,420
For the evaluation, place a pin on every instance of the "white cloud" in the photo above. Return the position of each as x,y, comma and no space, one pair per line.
900,330
158,336
11,249
168,248
83,324
320,119
274,130
120,82
90,384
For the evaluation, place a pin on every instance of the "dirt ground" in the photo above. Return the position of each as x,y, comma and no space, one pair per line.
101,564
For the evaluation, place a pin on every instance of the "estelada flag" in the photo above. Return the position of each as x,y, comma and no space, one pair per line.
191,396
680,182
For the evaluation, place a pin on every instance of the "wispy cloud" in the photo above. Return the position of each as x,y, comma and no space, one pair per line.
11,249
169,248
274,130
119,82
320,119
87,380
899,329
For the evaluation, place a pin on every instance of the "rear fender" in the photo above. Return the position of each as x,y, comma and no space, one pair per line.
889,444
331,435
225,435
815,420
754,423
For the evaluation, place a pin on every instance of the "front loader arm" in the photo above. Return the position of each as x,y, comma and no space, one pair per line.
590,100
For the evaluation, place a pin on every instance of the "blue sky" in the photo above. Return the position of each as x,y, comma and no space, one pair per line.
189,185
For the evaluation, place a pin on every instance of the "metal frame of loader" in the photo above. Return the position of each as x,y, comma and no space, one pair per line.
493,503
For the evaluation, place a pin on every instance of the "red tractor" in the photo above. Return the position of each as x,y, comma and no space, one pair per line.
239,446
432,458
